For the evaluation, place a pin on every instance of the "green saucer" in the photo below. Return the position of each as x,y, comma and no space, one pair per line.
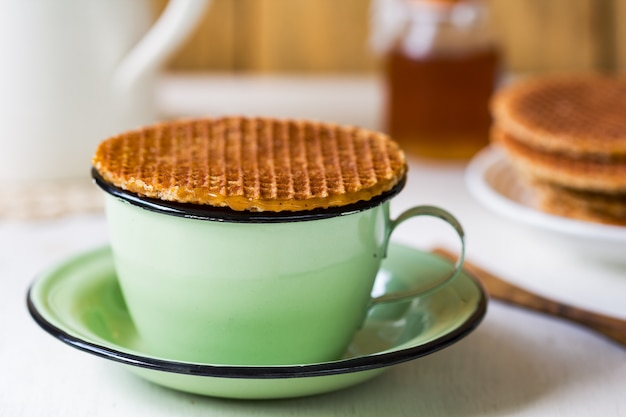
80,303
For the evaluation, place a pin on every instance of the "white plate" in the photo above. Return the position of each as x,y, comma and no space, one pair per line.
492,181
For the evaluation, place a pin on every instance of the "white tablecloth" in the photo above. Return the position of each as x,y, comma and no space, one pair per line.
517,363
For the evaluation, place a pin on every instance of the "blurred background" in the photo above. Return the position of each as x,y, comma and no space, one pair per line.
330,36
288,58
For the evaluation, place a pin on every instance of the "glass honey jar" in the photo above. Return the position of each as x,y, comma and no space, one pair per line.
441,65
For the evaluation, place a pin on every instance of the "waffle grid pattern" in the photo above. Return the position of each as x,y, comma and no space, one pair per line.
579,115
252,163
566,135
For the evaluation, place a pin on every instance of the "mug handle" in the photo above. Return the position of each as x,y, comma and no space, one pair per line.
414,292
171,29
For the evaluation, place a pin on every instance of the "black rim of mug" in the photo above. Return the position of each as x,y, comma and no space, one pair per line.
225,214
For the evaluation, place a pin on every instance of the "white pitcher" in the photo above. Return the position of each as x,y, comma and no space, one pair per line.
73,72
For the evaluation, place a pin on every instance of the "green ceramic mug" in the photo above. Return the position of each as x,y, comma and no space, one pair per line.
217,286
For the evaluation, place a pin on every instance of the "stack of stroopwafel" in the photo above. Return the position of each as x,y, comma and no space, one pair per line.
255,164
567,135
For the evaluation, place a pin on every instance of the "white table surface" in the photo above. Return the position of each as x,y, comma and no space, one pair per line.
517,363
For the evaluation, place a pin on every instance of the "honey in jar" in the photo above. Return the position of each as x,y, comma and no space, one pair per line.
441,67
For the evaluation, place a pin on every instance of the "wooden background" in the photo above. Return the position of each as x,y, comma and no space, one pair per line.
330,36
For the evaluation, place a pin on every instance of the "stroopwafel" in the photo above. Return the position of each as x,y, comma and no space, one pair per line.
583,205
255,164
567,136
603,173
573,114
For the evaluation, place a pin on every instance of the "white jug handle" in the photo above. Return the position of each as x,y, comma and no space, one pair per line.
176,22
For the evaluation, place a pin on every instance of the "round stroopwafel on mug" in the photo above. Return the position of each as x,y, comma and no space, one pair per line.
568,133
254,164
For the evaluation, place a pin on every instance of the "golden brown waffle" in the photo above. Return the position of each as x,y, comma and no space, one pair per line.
584,172
584,205
567,136
574,114
255,164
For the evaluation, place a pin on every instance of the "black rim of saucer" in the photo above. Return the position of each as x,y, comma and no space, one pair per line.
225,214
357,364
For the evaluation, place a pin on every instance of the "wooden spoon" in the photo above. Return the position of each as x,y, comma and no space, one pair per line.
497,288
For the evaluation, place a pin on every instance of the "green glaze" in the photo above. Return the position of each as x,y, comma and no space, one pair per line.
80,302
247,293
